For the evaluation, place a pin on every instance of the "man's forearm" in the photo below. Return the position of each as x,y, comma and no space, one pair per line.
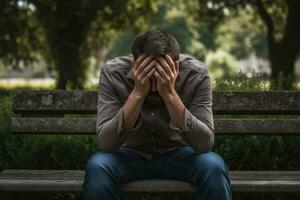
109,137
175,108
199,136
132,109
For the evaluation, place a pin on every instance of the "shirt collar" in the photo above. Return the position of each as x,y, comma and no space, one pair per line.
130,74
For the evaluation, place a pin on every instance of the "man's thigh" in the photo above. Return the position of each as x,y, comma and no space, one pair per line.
186,165
124,165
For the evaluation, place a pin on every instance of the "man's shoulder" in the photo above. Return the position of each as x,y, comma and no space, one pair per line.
190,63
118,63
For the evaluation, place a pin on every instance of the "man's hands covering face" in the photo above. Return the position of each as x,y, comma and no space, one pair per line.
164,70
143,69
166,74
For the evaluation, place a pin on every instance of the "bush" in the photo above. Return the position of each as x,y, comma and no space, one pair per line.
41,151
220,64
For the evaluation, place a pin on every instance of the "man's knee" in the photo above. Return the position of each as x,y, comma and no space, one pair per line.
101,176
101,165
101,160
213,162
211,166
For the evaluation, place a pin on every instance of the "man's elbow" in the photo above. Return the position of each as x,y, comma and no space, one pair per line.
206,144
107,148
105,145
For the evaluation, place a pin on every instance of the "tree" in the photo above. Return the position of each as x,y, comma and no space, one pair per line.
282,37
67,26
169,17
221,64
71,30
21,37
240,36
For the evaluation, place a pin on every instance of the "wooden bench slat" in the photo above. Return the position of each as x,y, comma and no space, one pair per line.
222,126
54,101
256,102
224,102
72,180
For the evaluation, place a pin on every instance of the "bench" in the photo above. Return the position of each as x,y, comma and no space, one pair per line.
43,112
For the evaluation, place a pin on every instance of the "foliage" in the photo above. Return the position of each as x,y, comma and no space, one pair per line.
240,81
124,40
69,85
239,35
281,22
37,151
220,64
21,38
169,17
66,34
67,31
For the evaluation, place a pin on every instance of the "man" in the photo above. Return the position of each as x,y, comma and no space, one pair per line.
155,120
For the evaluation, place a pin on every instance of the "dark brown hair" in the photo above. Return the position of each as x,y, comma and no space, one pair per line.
156,43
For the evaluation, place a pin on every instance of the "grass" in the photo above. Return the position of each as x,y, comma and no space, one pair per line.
17,83
238,81
37,83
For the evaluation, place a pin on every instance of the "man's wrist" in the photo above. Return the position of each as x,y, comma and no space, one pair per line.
137,95
175,108
170,96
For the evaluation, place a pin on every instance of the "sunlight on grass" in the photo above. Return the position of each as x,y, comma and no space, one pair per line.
297,85
14,83
237,81
38,83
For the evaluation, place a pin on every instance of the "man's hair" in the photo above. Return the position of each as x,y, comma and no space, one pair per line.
156,43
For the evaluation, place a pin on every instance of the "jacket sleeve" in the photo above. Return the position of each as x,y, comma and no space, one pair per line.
110,131
198,128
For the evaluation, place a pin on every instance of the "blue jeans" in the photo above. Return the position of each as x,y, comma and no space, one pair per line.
106,172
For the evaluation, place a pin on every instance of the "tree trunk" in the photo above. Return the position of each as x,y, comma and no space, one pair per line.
282,61
65,45
66,25
70,62
283,54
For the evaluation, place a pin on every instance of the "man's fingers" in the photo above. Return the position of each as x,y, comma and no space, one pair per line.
139,60
153,79
170,62
148,76
158,77
162,72
147,69
165,66
144,63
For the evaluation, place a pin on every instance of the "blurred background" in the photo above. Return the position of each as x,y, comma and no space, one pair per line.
61,44
48,44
